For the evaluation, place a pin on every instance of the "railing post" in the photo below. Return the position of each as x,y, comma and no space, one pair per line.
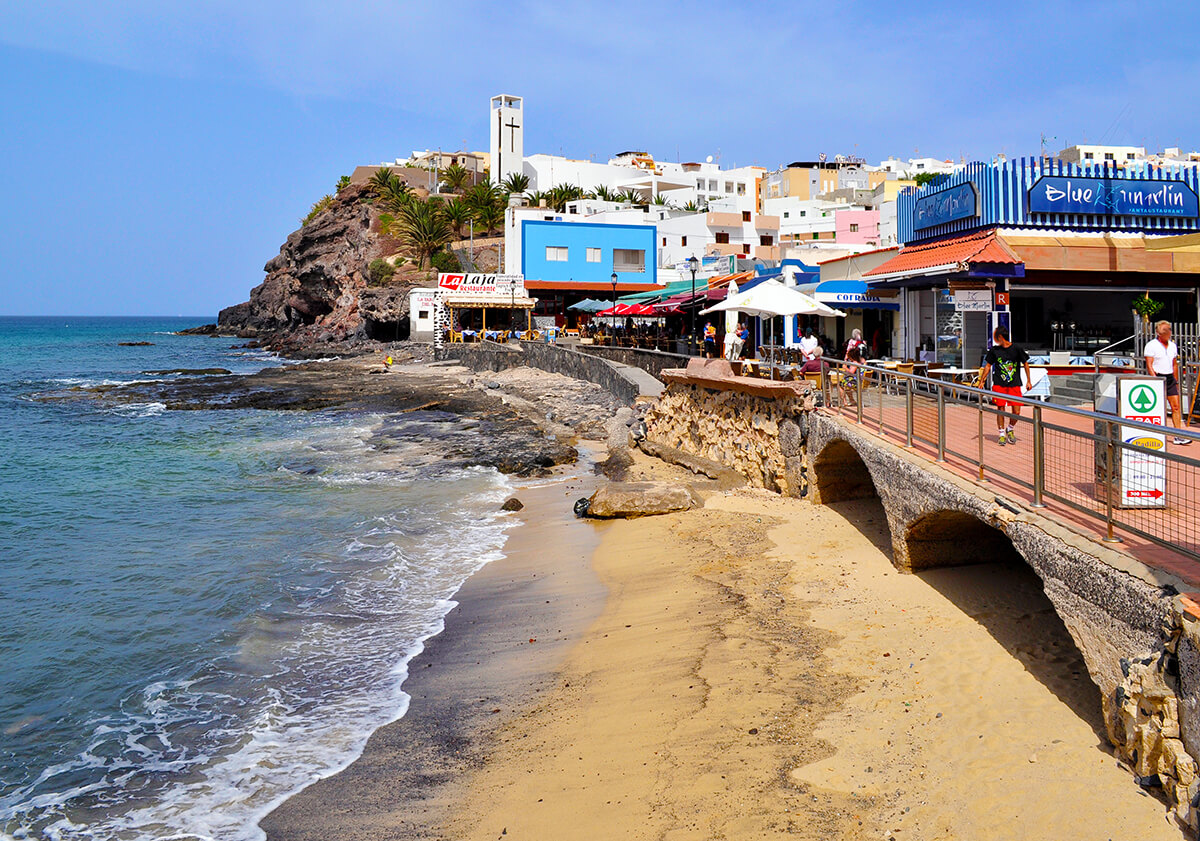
881,394
908,415
1108,484
941,420
1039,458
981,479
862,373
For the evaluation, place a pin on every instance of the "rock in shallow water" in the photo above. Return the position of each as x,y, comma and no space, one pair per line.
640,499
513,504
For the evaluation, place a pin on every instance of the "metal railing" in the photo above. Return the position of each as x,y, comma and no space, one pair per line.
1065,458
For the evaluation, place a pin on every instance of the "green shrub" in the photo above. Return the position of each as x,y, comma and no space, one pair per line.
445,261
322,204
380,271
343,183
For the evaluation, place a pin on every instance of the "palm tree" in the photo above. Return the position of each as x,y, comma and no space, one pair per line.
537,197
484,195
490,218
692,207
604,194
395,195
422,227
560,194
632,196
455,178
380,180
518,182
458,214
662,201
343,182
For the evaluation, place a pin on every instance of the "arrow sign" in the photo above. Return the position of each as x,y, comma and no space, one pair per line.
1154,494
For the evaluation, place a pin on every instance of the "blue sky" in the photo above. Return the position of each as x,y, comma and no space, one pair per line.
156,155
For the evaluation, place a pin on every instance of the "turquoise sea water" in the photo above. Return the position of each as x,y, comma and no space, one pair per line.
203,610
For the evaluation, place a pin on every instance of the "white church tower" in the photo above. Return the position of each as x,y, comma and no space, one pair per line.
507,120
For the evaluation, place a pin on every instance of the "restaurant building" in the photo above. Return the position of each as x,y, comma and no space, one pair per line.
1057,251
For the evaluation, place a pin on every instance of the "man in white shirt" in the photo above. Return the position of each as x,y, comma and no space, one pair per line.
1162,359
809,345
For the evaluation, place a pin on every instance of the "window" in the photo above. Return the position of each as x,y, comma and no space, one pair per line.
1108,156
722,237
741,189
629,260
699,183
1087,156
854,227
664,242
920,166
683,240
712,186
728,186
1129,156
593,255
816,235
785,214
745,215
556,254
803,212
766,239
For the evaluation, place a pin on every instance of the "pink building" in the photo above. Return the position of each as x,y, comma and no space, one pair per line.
857,227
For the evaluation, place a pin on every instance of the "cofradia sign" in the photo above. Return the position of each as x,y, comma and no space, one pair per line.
1112,197
1143,474
949,205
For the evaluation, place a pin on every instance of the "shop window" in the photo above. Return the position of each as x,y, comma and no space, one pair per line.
593,255
629,260
722,237
745,215
556,254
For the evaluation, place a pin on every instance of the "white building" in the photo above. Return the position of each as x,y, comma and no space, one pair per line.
916,166
1112,155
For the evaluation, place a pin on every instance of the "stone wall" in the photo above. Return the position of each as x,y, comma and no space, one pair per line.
491,356
653,362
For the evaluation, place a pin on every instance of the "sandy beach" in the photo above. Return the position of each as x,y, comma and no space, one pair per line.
749,669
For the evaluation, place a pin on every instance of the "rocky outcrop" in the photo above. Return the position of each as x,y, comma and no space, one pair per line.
316,287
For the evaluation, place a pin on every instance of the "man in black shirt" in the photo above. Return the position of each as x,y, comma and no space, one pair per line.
1004,361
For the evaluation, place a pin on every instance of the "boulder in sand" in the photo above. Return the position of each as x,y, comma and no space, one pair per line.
640,499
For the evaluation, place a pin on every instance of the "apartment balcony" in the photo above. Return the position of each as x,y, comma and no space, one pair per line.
723,220
722,248
766,223
766,252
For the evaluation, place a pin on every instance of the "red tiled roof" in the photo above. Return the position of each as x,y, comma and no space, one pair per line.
979,247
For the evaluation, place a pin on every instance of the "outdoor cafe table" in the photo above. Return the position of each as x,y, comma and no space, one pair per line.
964,376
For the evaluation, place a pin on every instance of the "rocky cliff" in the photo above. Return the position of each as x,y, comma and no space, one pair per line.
316,288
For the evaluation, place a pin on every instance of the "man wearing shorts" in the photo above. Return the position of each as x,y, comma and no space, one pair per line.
1162,359
1004,362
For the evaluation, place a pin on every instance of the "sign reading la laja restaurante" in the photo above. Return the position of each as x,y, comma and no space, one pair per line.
1112,197
482,284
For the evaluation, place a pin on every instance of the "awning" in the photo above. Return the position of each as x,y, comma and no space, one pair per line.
590,305
850,295
947,256
499,302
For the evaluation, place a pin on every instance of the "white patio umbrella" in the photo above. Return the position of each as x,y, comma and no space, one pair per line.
771,298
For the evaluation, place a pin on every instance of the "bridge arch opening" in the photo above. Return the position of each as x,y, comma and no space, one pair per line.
955,538
975,566
839,474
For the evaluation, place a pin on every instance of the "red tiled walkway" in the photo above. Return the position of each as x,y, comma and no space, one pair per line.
1070,472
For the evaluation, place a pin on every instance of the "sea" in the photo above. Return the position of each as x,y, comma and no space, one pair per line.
203,611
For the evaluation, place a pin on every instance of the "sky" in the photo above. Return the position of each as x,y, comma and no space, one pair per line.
155,155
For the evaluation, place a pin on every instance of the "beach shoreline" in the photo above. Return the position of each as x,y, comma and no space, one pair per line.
514,621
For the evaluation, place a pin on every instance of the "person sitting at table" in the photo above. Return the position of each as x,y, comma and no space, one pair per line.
809,345
856,341
848,383
817,365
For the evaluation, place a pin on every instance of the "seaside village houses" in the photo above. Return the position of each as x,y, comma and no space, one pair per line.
1062,244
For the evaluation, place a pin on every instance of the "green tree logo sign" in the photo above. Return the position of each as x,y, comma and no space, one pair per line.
1143,399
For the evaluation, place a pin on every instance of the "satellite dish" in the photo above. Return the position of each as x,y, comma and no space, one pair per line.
708,159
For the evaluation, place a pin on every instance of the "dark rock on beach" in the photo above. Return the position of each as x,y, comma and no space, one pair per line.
513,504
202,330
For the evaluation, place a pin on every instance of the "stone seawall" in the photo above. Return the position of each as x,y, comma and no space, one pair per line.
1139,639
653,362
620,381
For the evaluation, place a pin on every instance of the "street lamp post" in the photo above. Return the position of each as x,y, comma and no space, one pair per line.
614,286
693,264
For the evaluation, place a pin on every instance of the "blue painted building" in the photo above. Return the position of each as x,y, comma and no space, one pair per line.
588,253
1057,250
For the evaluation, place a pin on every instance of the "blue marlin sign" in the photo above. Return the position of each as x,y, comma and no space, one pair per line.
1112,197
949,205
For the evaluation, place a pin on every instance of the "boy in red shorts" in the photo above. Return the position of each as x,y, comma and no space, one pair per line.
1004,360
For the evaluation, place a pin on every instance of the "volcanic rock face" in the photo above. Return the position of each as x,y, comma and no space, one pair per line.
313,287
